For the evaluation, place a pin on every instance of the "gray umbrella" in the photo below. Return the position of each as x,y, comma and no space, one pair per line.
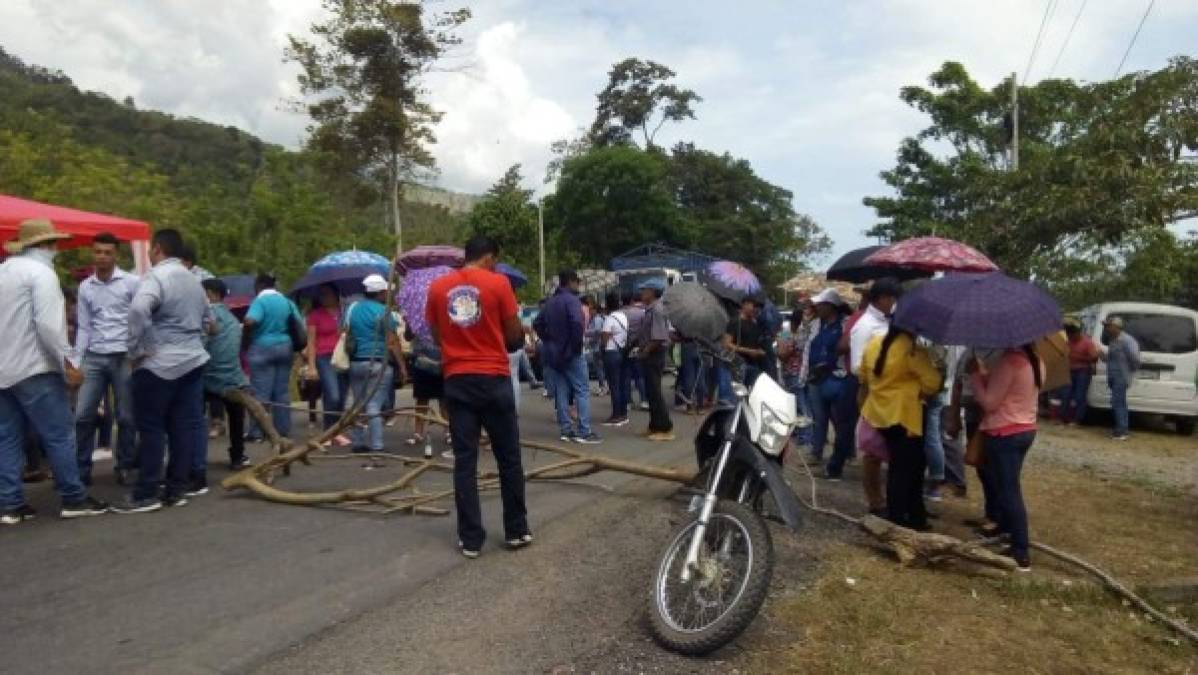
694,311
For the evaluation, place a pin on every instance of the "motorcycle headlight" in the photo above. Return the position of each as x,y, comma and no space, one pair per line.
774,432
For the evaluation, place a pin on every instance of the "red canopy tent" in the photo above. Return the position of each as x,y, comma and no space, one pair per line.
81,225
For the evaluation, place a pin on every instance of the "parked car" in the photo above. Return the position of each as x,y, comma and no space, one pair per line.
1167,382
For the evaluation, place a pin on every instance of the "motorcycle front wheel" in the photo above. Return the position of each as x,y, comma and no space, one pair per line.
726,588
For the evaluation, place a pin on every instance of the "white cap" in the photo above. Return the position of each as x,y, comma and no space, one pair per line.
828,295
375,283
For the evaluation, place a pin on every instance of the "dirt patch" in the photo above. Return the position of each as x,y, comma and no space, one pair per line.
867,614
1150,456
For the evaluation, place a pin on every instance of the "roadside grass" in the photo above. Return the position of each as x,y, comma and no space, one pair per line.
868,614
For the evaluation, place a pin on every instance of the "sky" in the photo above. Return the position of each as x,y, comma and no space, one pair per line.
806,91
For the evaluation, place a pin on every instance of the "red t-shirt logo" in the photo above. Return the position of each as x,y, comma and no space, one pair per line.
464,307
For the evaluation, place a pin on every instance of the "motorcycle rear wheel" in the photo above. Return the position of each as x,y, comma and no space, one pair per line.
736,563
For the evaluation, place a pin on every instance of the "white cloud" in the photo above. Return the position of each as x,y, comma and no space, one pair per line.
806,90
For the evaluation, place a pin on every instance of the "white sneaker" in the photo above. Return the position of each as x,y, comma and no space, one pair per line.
520,542
467,552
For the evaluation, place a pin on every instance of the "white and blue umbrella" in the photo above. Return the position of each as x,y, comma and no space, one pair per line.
345,270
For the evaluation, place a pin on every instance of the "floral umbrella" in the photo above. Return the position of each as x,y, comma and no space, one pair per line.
731,281
413,297
344,269
932,254
430,256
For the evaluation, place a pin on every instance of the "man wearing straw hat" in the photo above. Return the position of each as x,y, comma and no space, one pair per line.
34,373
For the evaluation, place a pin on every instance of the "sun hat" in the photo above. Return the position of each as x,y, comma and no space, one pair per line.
375,283
32,232
828,296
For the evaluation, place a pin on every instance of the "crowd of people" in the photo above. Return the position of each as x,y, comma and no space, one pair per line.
158,352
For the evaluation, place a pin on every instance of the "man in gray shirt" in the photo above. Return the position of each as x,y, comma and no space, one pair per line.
1122,354
101,346
166,327
654,342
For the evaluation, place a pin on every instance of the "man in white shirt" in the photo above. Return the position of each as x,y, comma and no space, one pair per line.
883,295
34,372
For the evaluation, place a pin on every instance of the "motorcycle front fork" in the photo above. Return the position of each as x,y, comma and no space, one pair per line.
711,497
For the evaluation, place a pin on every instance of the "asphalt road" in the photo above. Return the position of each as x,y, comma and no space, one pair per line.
231,583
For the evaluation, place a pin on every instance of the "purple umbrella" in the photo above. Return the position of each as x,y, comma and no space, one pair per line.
422,257
731,281
991,311
413,296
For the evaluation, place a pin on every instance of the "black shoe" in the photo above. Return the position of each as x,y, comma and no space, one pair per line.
176,500
131,505
1023,562
567,438
469,553
590,439
520,542
89,506
240,463
198,489
123,476
832,477
18,515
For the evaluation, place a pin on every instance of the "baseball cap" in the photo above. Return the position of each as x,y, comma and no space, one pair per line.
375,283
829,296
1115,321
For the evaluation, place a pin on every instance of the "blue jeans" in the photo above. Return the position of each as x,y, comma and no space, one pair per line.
618,384
168,411
39,402
270,373
573,379
844,419
824,398
933,441
1119,405
724,384
363,377
691,386
100,371
636,379
333,386
1004,463
1073,403
794,385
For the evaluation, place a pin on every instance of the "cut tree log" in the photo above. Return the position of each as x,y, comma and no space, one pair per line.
911,546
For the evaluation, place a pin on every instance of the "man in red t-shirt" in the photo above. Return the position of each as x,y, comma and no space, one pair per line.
474,319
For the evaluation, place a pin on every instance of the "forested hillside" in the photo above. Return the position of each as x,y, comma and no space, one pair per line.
248,205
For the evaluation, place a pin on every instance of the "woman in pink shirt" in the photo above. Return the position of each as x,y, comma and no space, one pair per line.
1009,398
324,329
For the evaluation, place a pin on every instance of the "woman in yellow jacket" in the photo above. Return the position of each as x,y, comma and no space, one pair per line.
896,376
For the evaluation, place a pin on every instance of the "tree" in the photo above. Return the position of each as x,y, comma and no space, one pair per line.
639,98
1097,163
508,215
613,199
735,214
364,70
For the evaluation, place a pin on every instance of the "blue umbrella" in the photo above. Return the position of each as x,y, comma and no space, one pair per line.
515,276
991,311
344,269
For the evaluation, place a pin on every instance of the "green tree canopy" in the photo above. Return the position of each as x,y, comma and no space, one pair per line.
639,98
1097,162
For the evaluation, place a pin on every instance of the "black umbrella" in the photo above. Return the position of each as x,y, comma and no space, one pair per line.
694,311
851,267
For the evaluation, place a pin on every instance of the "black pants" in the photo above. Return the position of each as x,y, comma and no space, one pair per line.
235,412
476,402
904,479
654,366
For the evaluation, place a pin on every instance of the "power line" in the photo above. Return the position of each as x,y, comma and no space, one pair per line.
1048,10
1068,35
1134,36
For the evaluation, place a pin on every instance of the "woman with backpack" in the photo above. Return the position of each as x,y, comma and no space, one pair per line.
1009,397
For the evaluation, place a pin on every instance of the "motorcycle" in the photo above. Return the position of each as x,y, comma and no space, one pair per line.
715,572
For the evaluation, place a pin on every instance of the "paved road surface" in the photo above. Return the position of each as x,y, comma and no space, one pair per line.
229,582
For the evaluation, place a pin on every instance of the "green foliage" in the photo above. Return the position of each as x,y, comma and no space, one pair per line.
1149,265
1098,162
612,199
369,116
630,103
733,213
245,204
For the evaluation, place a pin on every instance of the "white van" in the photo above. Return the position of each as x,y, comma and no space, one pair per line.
1167,382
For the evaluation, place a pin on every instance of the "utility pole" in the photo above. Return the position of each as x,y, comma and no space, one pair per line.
541,239
1014,123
